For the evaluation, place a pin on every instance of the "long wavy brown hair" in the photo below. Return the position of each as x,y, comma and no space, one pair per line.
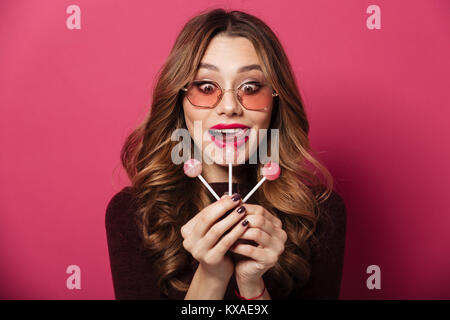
160,185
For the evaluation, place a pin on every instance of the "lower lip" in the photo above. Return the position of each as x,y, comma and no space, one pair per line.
223,144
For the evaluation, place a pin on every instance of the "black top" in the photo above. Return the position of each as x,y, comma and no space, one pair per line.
132,271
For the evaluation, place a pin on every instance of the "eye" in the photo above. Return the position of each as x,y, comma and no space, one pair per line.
250,88
205,87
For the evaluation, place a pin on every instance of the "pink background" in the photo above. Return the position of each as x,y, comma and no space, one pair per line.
377,100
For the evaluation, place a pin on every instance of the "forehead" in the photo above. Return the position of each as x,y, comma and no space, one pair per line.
230,55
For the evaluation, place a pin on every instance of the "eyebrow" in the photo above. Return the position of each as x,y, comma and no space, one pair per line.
240,70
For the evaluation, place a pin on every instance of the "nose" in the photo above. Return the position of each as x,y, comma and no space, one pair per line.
229,105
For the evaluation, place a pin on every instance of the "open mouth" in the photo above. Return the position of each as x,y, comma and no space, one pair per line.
224,137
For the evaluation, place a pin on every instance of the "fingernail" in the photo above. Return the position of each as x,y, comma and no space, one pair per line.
245,222
225,193
240,209
236,197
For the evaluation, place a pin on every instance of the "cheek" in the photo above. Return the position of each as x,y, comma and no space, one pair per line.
263,121
187,113
191,114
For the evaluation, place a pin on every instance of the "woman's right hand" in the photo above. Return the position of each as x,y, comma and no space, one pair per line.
203,235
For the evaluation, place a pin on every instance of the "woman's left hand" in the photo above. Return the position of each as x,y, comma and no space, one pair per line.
266,230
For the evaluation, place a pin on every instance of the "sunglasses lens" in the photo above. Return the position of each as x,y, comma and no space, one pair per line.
203,94
255,98
207,94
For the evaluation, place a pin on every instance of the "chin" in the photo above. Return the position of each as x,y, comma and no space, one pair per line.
237,157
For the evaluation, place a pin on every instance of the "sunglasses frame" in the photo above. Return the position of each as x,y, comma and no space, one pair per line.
222,93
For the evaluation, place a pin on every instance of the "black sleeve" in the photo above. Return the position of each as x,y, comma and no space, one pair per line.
132,273
327,255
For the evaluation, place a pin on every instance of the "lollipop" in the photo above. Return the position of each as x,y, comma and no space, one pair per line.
229,156
271,171
193,168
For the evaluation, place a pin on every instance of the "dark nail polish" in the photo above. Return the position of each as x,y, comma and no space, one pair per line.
245,222
240,209
236,197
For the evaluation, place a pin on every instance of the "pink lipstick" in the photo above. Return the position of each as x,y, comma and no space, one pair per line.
224,134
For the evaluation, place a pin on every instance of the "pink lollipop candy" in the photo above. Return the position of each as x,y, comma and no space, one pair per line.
193,168
271,171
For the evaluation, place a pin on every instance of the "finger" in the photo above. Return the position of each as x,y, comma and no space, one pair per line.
215,211
250,251
230,238
272,225
260,222
257,209
259,236
190,224
214,234
209,215
277,236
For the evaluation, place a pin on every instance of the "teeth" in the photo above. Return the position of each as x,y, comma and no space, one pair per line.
229,131
229,134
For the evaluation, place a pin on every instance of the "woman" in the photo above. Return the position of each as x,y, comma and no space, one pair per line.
168,238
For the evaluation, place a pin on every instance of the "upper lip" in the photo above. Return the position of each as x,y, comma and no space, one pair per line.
229,126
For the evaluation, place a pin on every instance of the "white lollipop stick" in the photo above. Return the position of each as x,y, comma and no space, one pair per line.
208,186
270,171
229,155
230,178
254,189
193,168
